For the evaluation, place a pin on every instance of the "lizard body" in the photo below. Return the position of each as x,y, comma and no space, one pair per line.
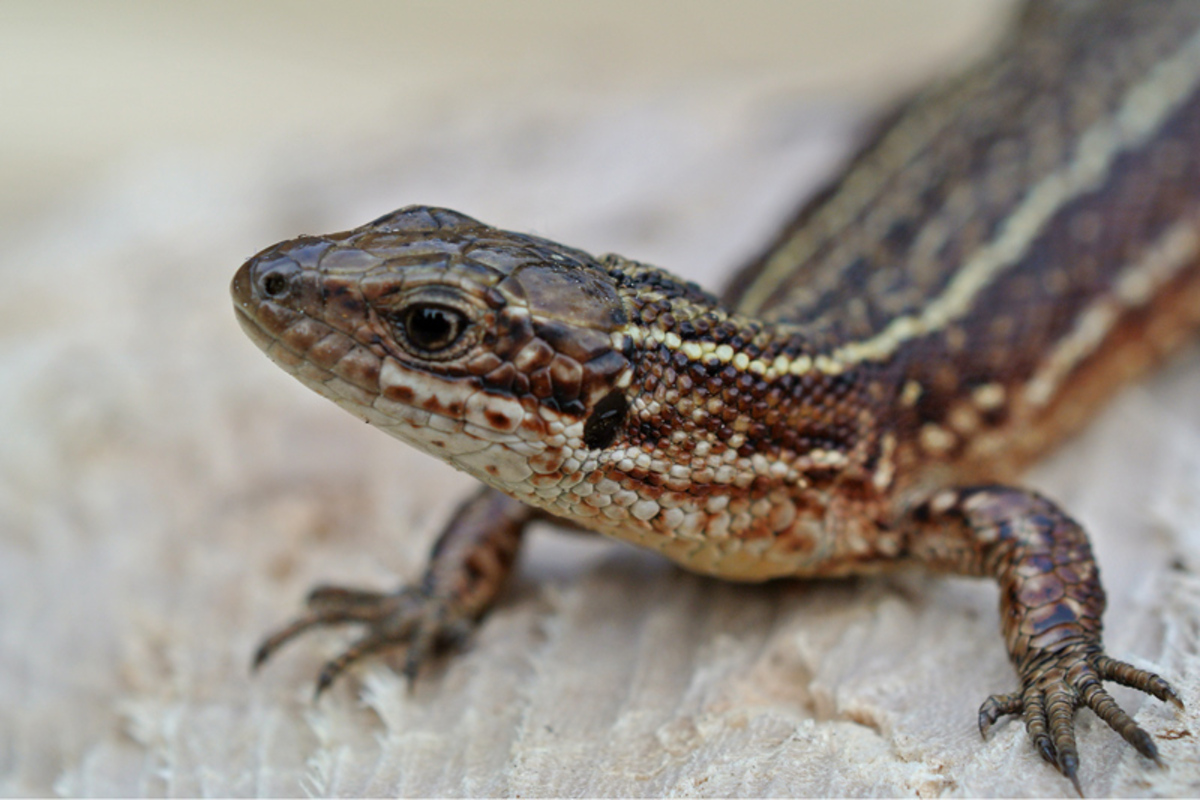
1012,247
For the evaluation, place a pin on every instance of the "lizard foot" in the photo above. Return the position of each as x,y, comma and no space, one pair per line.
1055,684
467,567
416,618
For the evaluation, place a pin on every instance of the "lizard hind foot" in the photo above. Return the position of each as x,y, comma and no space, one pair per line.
1056,685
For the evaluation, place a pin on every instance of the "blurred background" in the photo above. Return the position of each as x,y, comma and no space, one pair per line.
167,495
90,89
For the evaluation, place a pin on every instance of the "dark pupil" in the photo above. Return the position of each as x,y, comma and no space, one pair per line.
432,328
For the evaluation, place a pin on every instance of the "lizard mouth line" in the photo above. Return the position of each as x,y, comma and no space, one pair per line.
262,338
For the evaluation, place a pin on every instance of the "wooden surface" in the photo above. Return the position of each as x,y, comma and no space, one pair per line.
167,495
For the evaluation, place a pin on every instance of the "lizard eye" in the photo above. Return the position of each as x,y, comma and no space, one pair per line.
432,329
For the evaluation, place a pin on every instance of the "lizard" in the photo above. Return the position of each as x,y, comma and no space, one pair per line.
1011,247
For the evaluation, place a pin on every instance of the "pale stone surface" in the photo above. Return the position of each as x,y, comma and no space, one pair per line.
168,496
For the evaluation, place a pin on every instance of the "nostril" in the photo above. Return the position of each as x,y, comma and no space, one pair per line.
269,276
274,285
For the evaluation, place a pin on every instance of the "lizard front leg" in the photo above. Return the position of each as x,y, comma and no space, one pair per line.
1051,602
467,568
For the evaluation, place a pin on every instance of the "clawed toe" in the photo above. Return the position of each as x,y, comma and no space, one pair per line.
269,646
335,667
413,619
1110,669
341,597
995,707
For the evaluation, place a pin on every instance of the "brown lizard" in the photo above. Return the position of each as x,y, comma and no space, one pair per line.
1009,249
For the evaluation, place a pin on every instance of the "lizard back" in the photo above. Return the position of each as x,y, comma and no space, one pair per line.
1020,239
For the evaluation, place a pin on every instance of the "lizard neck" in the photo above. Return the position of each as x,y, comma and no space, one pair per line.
723,397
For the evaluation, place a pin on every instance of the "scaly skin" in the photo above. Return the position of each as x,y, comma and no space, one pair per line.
976,285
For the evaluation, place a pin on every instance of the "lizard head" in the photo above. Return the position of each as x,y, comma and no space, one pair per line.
604,391
498,352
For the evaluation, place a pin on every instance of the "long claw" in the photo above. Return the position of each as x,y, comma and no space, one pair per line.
1046,749
1068,765
324,680
1074,779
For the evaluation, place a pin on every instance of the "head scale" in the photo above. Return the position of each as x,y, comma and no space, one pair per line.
498,352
